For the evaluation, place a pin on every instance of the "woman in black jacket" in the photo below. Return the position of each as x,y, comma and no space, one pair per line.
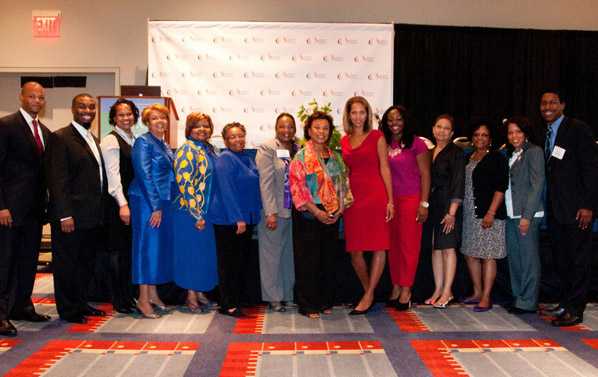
486,180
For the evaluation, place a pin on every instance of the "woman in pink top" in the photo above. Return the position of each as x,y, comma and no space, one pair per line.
409,162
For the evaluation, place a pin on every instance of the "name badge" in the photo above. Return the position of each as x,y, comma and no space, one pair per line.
283,153
558,152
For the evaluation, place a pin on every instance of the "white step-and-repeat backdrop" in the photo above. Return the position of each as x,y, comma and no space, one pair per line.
252,71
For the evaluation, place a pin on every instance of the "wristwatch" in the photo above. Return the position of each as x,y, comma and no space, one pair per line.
424,204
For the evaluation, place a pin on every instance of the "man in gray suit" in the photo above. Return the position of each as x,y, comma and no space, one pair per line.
275,229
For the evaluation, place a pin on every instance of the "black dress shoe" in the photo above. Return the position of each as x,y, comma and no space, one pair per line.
7,328
31,317
559,311
402,306
361,312
93,312
76,319
567,319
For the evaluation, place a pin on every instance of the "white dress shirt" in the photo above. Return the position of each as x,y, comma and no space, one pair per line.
111,153
88,137
29,120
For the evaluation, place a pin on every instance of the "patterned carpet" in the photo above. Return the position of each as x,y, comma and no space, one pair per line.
421,342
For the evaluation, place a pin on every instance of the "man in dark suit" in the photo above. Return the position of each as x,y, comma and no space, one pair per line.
23,141
572,191
78,188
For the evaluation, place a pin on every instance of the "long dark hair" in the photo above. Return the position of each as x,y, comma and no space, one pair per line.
408,133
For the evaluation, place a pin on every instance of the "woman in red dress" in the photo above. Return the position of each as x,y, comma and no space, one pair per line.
366,221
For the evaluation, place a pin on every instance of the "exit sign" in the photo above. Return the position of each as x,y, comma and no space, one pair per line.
46,23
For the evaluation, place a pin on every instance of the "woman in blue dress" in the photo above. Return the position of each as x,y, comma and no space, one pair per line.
234,212
194,244
150,201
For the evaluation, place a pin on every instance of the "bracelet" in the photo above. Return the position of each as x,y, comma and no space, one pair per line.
491,213
390,205
449,215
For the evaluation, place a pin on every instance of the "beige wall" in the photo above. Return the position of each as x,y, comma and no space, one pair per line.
112,33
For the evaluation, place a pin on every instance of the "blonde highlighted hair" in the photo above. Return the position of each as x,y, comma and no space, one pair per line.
155,107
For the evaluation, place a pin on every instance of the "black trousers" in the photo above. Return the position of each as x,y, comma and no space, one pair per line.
314,249
19,250
572,248
73,255
232,250
119,251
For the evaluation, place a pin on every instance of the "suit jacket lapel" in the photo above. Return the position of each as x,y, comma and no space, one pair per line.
83,143
26,131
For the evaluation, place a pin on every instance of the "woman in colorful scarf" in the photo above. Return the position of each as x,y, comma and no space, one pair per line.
194,243
320,193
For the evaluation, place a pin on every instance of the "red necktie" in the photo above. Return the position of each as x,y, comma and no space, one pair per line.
38,139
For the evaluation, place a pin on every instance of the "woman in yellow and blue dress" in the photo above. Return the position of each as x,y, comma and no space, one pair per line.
195,266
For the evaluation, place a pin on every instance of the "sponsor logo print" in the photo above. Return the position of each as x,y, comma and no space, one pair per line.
378,76
315,75
253,40
347,76
253,75
301,58
221,109
316,41
364,58
332,58
347,41
222,75
301,92
284,75
219,39
269,56
238,92
378,41
332,93
269,92
284,40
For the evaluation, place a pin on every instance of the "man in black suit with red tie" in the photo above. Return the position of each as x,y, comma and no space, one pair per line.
23,141
78,191
572,194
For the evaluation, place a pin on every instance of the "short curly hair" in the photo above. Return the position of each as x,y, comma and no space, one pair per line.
122,101
313,117
155,107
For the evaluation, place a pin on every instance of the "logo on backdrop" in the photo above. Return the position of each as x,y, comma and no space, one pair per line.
364,58
284,75
253,75
347,41
253,40
333,58
378,76
347,76
315,75
332,93
285,40
301,58
378,41
301,92
269,56
269,92
316,41
222,75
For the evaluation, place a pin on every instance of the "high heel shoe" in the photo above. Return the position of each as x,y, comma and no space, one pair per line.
160,307
392,302
402,306
443,305
152,315
362,312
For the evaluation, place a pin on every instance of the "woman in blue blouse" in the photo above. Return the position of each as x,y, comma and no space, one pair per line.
194,244
234,211
150,202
